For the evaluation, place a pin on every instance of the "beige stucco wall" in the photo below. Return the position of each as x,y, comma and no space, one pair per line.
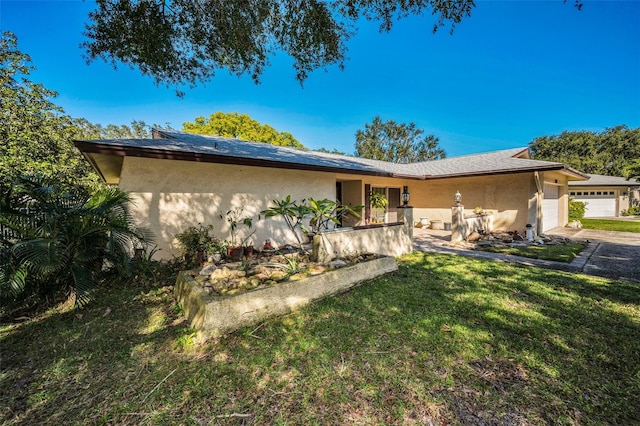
506,197
170,196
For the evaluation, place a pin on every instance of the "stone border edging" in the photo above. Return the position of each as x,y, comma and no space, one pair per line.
576,265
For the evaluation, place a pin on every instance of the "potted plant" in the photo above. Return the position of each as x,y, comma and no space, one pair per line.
235,217
194,241
378,202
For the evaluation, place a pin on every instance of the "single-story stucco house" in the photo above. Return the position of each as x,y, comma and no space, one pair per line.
179,180
605,196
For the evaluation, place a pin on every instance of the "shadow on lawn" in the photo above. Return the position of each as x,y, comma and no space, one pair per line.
443,340
85,365
575,336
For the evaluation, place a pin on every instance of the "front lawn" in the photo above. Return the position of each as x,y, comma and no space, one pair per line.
556,252
445,340
611,225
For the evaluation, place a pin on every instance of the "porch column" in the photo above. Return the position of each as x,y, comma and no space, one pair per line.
405,214
458,232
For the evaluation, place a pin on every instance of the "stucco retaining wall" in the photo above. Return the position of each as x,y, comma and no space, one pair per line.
386,240
478,223
216,315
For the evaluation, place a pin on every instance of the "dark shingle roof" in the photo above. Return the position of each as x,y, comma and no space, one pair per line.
179,145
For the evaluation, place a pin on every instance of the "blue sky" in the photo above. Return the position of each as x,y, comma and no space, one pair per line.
511,72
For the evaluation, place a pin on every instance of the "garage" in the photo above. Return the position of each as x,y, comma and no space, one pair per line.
598,203
550,207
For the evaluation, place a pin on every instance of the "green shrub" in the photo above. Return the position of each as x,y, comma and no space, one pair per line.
576,209
631,211
195,241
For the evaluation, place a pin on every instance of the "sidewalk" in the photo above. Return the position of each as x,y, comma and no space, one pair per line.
434,241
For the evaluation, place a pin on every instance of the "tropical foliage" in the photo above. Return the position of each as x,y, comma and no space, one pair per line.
396,142
326,213
240,126
319,214
61,230
59,238
612,152
292,212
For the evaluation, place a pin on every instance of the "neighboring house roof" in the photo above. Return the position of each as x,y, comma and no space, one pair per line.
600,180
106,157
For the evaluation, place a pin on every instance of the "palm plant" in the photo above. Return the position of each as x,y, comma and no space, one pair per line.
62,238
292,213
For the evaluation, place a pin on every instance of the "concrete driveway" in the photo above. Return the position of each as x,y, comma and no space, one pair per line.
617,254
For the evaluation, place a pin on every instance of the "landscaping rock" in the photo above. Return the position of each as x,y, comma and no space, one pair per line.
208,270
317,270
337,263
297,277
220,273
473,237
218,286
278,275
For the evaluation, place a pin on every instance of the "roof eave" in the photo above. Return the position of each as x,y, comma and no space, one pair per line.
553,167
123,151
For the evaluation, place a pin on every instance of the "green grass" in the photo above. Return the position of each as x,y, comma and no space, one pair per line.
559,253
611,225
446,339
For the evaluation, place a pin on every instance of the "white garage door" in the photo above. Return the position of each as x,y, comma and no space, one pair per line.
598,203
550,207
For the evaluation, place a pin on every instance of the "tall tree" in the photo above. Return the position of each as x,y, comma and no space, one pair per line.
611,152
186,41
241,126
88,130
632,170
35,134
396,142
